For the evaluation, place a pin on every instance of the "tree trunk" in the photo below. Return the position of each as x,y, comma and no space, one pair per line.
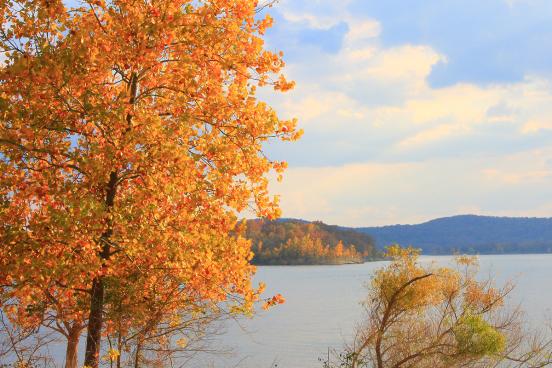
95,321
95,318
71,354
119,348
138,356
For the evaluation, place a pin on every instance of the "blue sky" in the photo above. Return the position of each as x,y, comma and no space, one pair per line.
415,109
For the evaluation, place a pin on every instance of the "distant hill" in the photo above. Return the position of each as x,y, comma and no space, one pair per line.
470,234
294,242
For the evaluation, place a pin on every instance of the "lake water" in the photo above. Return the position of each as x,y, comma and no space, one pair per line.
323,305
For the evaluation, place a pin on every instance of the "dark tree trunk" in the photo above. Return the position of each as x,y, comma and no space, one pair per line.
95,318
95,322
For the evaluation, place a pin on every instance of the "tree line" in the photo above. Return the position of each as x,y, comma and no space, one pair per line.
470,234
294,242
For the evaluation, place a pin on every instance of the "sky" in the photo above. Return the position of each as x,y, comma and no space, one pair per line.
414,110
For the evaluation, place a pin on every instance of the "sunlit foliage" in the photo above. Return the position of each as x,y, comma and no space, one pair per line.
296,242
419,314
130,136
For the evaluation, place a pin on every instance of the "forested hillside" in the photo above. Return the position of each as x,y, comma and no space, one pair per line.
298,242
470,234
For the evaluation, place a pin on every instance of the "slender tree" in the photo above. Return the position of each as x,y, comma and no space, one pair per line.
422,315
130,136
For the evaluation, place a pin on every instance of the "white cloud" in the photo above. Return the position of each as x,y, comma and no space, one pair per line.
383,141
388,92
310,106
378,194
319,14
534,126
433,134
361,33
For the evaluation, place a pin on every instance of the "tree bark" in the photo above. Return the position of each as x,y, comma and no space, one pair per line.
138,356
95,322
95,318
71,354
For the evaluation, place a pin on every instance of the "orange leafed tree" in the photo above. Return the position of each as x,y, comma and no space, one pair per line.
130,136
419,314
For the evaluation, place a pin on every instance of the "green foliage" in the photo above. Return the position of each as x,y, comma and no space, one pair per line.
345,359
477,337
421,315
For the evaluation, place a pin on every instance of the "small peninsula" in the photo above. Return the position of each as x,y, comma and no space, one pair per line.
297,242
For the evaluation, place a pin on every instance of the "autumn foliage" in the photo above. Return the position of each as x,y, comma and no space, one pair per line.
297,242
130,136
420,314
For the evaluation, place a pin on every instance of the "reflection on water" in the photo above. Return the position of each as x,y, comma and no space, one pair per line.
323,305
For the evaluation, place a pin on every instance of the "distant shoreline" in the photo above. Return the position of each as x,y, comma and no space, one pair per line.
378,259
486,254
383,259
